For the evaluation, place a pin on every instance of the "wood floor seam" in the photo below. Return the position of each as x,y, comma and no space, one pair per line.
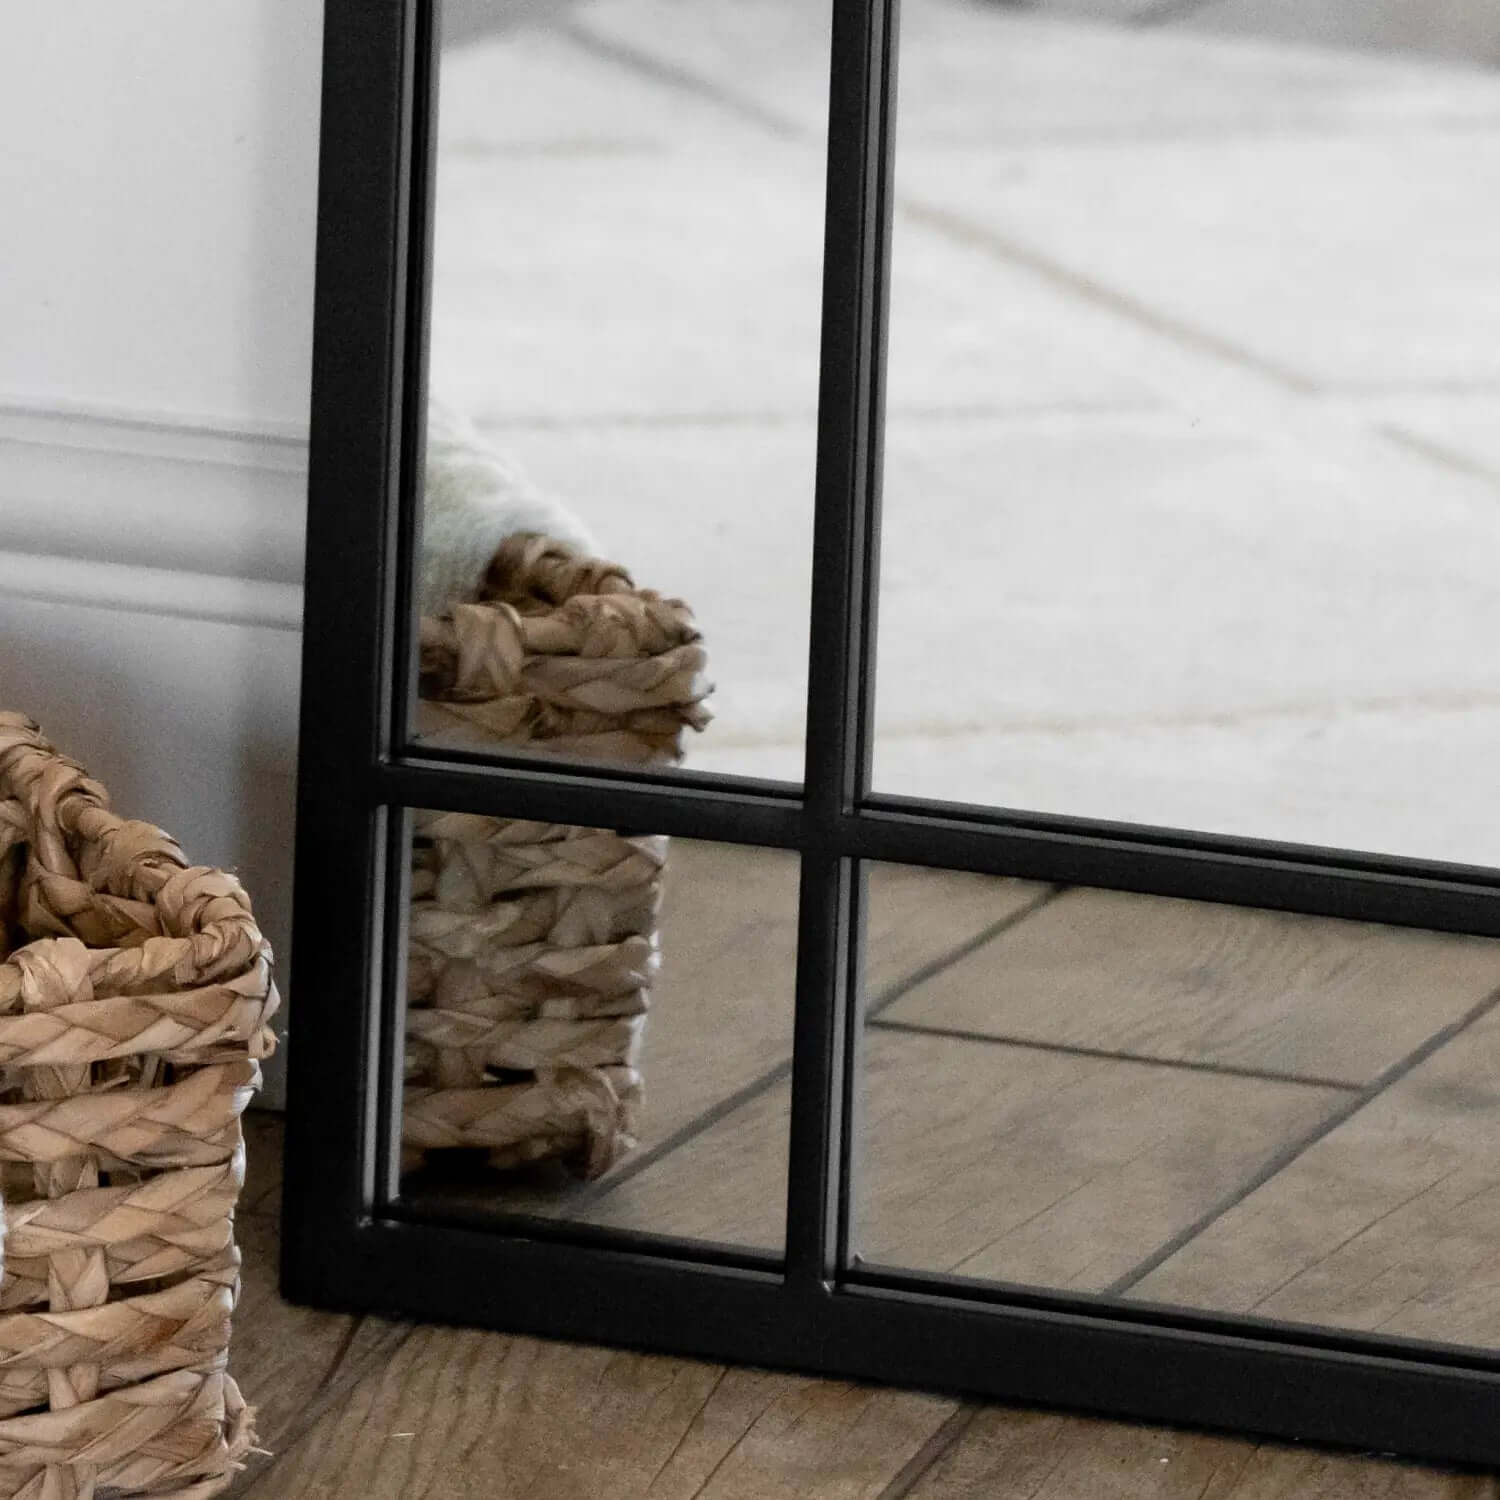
930,970
1288,1154
931,1452
1107,1054
336,1385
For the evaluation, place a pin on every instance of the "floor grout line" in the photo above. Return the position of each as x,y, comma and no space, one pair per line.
1288,1154
681,80
1116,302
1165,12
1438,453
1106,1054
898,414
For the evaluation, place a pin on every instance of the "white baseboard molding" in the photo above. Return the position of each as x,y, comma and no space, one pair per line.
154,493
176,592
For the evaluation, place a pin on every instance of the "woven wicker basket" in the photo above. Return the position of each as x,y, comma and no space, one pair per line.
533,945
134,992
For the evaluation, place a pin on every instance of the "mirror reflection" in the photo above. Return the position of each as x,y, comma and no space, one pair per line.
1238,1111
1191,469
582,1009
623,361
1189,516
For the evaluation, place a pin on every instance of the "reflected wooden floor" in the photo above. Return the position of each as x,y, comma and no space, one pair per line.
1249,1111
1193,1104
363,1408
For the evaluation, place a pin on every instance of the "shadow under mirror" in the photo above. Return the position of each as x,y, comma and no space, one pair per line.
1191,467
591,1018
624,333
1229,1110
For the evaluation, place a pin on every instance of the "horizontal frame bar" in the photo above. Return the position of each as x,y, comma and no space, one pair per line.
1405,893
1074,851
641,803
413,1208
1166,836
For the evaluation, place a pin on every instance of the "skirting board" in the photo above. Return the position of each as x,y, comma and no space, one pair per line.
158,492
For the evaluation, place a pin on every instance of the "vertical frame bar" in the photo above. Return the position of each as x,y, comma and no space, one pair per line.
855,234
867,626
416,341
883,187
404,549
389,1008
352,485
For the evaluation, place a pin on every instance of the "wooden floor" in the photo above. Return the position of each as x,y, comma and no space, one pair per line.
365,1409
1202,1105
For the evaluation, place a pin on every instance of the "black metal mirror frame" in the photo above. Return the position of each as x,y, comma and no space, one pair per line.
349,1240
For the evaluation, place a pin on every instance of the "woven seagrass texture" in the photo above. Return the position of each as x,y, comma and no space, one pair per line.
532,946
134,995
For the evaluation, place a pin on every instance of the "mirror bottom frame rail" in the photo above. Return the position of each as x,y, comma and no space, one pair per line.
928,1333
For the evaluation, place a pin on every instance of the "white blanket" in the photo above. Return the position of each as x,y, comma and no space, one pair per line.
474,497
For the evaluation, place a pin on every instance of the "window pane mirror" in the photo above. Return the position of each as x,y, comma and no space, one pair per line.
1177,1102
624,318
1190,481
584,1013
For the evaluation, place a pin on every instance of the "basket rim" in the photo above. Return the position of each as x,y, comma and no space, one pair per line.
196,925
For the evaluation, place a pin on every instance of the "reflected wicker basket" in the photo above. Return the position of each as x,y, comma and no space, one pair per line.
533,945
134,995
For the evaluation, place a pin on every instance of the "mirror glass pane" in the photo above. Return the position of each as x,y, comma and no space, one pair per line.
624,326
590,1022
1230,1110
1190,496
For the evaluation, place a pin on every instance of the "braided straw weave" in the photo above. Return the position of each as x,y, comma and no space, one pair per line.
533,945
134,995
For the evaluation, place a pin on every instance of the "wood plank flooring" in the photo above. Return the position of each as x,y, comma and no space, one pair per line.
1241,1110
1390,1222
1025,1166
1187,981
721,1023
360,1408
1246,1111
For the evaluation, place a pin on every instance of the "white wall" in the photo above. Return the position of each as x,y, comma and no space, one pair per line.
157,192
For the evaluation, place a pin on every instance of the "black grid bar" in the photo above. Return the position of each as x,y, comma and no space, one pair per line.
394,879
1069,851
421,195
1405,893
855,232
358,348
730,814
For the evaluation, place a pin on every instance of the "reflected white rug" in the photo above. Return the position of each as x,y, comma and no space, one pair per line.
475,497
